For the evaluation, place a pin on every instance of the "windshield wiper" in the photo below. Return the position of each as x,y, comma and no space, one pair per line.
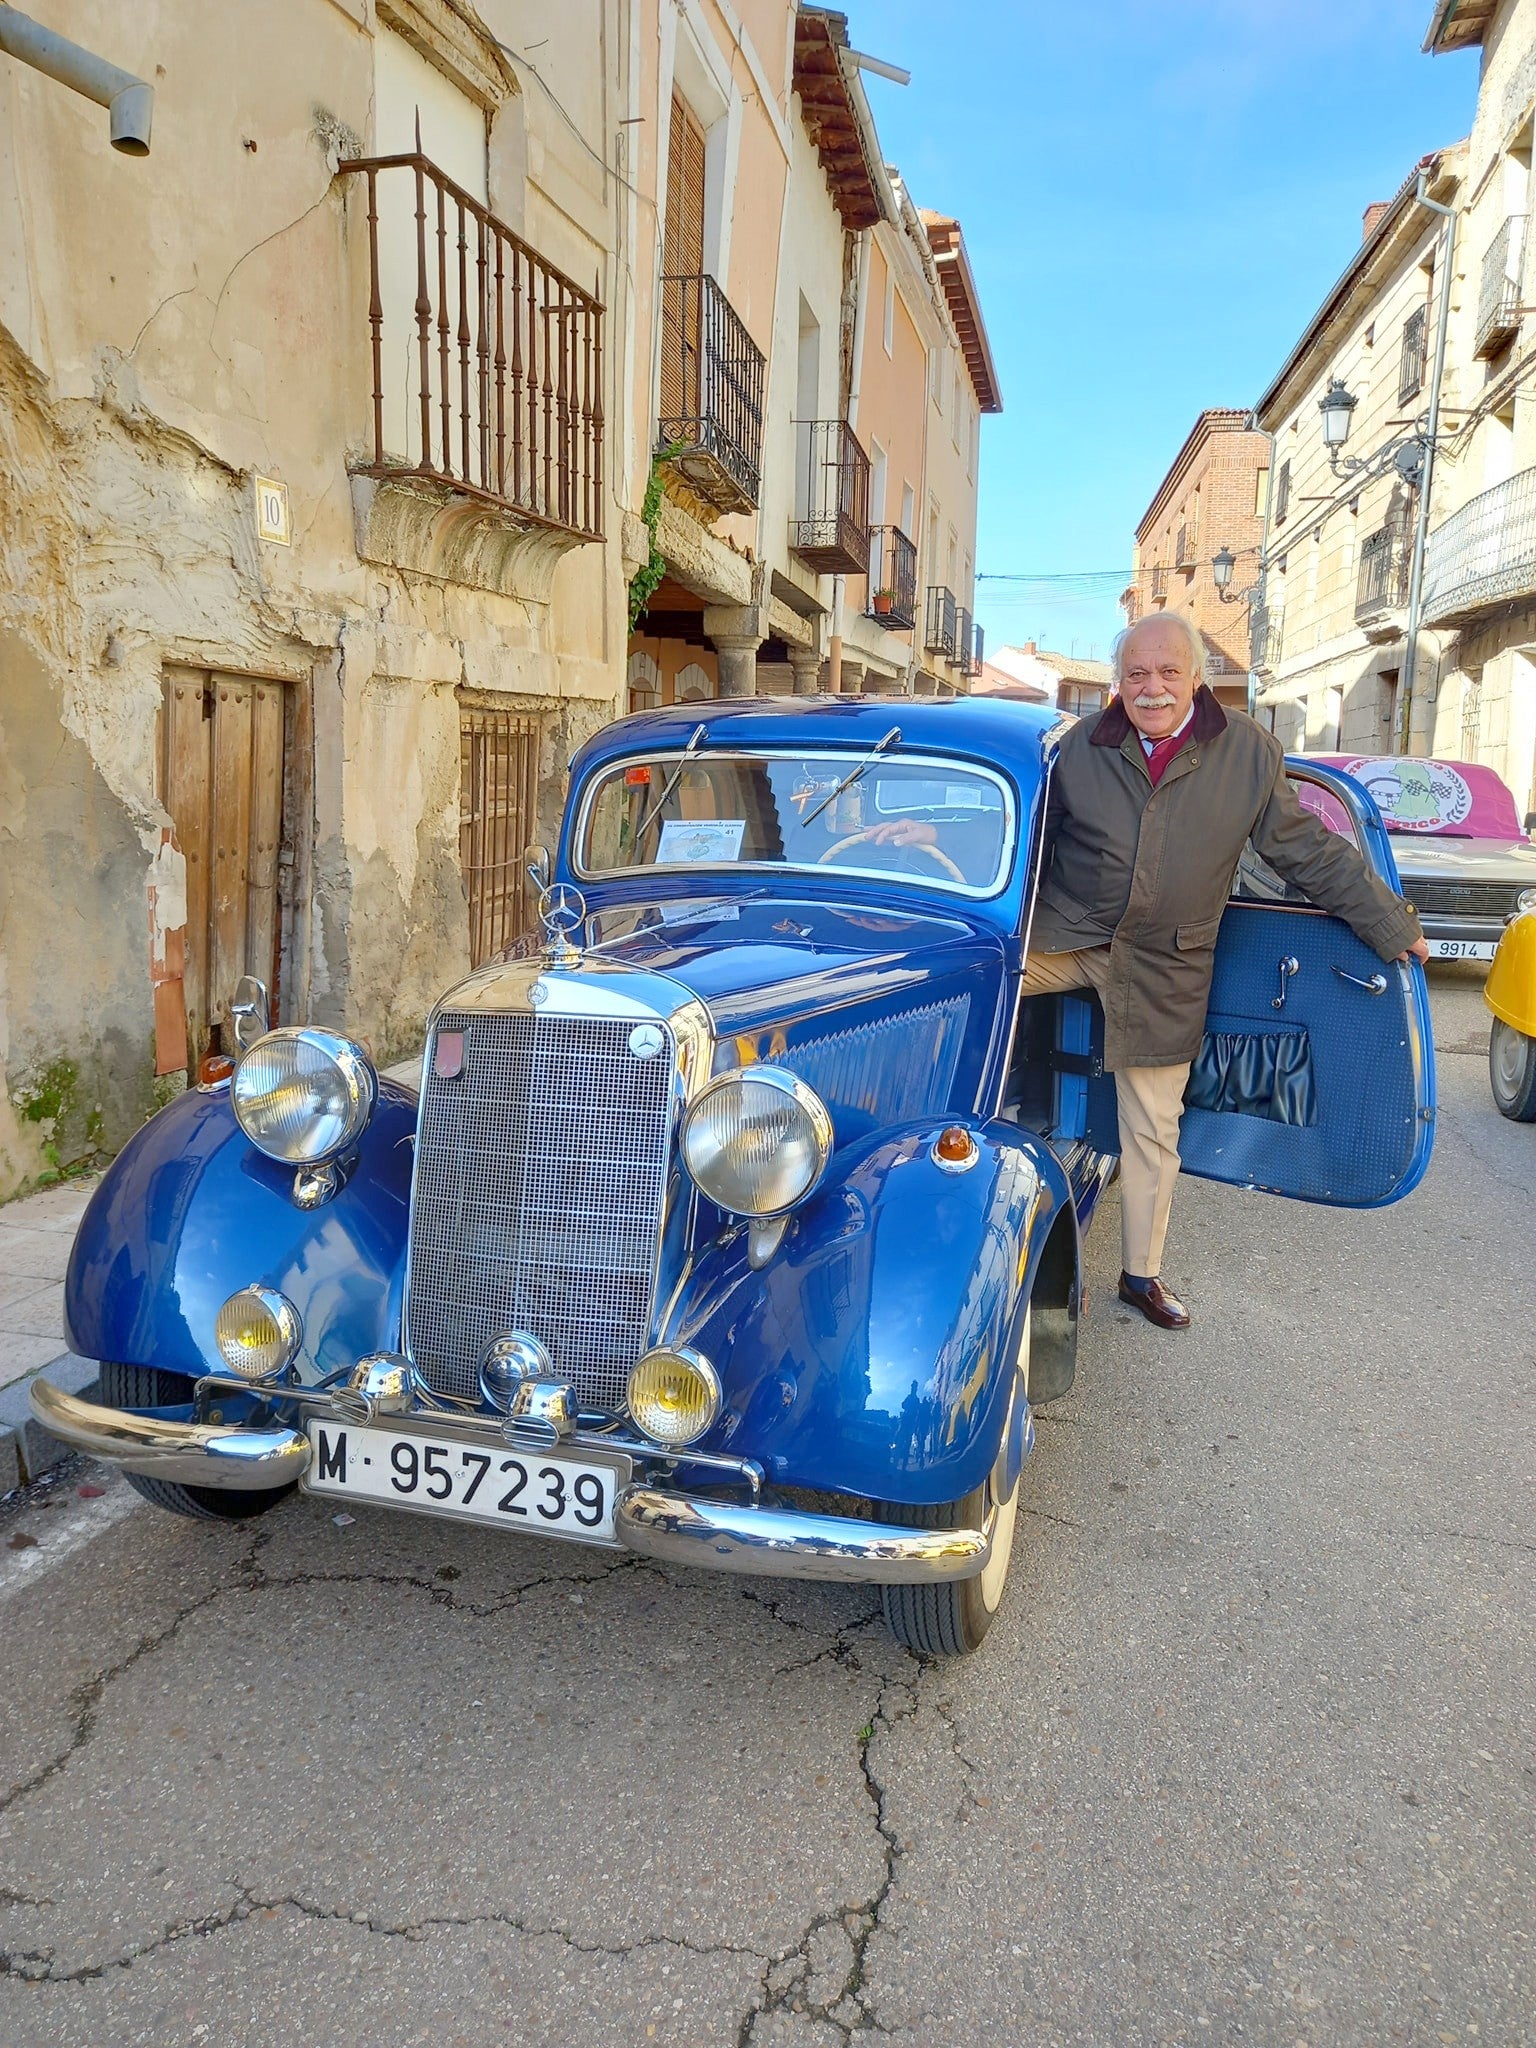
853,775
669,786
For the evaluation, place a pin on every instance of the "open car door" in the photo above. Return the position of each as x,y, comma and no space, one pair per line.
1316,1078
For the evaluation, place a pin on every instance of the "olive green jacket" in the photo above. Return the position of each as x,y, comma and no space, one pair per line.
1147,871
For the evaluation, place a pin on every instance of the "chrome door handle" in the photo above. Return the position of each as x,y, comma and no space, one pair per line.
1376,986
1289,965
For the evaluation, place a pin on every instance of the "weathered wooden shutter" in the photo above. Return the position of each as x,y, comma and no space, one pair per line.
682,257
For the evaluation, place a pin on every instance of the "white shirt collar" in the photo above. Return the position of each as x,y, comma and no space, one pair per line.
1147,745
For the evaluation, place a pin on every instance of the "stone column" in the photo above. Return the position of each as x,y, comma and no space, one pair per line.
737,631
805,664
853,677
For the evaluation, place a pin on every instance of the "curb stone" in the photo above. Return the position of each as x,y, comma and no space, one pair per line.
27,1450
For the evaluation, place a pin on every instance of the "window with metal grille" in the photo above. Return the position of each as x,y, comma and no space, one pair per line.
498,807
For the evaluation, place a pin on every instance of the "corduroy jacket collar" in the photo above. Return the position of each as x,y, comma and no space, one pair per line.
1114,725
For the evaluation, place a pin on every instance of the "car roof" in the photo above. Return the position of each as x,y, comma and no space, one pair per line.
1006,735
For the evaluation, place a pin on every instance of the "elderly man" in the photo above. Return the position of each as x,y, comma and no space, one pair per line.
1151,805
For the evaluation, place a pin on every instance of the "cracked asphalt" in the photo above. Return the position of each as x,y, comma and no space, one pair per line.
1246,1758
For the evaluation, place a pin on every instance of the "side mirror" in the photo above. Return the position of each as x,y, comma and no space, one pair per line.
536,861
250,1011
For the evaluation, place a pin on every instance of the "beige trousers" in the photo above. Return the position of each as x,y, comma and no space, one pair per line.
1150,1101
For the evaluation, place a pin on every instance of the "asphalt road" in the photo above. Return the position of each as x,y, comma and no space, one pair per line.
1247,1757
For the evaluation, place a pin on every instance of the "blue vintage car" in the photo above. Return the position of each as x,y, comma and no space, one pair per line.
739,1224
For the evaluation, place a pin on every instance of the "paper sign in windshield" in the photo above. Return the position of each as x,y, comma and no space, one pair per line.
686,839
1414,795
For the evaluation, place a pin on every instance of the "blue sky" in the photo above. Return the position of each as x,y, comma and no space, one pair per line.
1156,195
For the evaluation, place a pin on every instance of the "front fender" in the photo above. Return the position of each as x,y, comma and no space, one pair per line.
871,1355
190,1210
1510,990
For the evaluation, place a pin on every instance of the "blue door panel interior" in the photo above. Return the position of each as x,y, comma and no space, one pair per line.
1370,1070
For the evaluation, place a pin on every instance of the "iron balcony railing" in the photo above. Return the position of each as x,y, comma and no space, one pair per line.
710,422
978,657
1184,550
1485,553
961,656
487,360
939,621
1266,627
1159,582
830,529
892,579
1385,559
1410,369
1498,298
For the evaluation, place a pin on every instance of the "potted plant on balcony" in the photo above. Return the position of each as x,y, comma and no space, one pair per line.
884,602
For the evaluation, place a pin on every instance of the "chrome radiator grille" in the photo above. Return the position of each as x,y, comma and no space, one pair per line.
540,1175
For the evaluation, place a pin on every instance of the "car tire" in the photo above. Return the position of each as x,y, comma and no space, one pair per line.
151,1386
951,1619
1512,1072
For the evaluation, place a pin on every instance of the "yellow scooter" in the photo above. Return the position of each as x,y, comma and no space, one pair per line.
1510,992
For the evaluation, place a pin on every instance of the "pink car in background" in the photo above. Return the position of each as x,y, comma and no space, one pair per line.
1466,862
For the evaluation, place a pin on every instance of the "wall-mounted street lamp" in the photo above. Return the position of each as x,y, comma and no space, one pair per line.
1222,565
1337,407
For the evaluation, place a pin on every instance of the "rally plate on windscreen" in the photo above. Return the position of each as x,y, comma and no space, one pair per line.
540,1493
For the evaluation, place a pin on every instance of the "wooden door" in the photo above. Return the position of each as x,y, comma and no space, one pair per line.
223,786
682,264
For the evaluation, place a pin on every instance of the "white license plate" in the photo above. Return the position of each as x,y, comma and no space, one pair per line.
543,1493
1461,949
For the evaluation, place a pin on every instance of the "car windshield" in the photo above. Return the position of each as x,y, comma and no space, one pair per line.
937,822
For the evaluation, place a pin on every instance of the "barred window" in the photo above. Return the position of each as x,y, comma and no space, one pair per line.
498,810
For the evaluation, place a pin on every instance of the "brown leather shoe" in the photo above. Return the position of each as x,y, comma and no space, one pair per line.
1156,1304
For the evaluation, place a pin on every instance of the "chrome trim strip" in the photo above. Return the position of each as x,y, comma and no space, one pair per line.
676,1528
213,1454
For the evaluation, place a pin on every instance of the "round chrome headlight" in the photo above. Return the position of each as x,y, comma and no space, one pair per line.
674,1395
257,1332
1526,900
302,1095
757,1140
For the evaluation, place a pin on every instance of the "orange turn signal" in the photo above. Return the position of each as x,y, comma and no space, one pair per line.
954,1146
214,1066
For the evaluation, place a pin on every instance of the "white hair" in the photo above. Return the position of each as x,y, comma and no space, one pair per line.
1185,624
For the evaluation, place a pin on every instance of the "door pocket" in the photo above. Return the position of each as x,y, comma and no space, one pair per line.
1244,1071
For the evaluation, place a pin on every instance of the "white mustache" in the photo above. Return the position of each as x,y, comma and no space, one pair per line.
1153,703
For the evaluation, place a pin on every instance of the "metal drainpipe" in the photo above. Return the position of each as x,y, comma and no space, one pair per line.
1421,524
129,100
1260,592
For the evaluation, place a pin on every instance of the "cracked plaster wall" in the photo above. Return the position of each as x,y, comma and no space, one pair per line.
153,355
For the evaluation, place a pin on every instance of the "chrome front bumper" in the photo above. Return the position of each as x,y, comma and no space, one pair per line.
213,1454
673,1528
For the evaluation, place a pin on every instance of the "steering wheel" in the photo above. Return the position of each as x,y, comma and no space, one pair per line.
934,853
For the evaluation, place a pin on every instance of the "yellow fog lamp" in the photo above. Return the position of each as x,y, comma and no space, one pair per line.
674,1395
257,1332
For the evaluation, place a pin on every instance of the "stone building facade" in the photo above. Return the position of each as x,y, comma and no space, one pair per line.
307,591
819,383
1328,642
326,432
1479,610
1211,498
